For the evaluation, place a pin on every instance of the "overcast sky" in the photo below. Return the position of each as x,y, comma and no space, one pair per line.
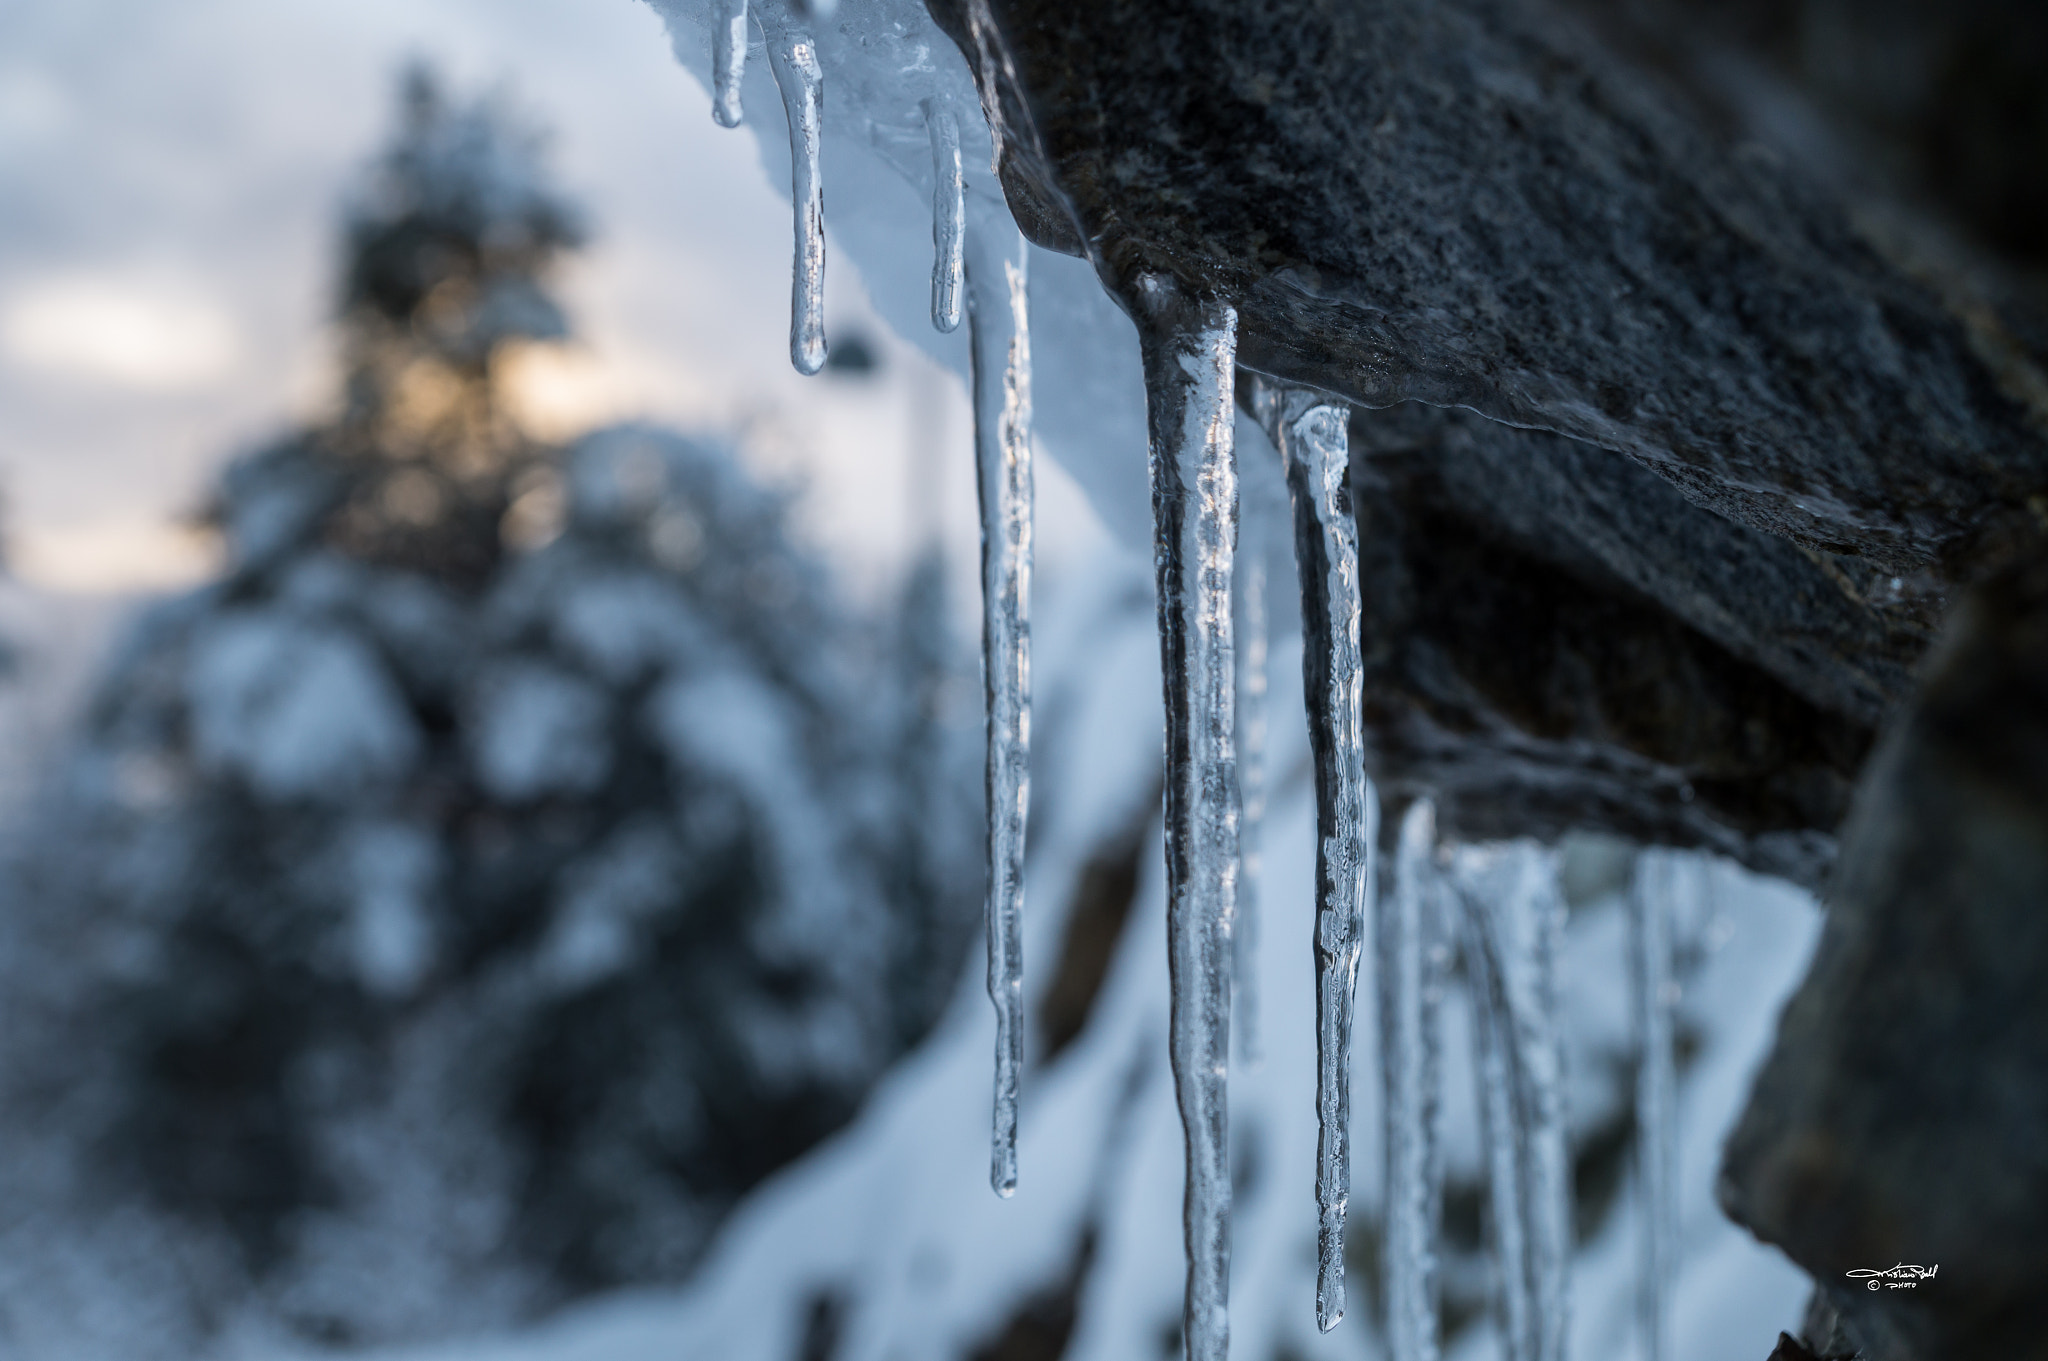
169,183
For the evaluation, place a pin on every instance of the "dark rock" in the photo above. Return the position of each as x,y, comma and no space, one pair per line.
1479,204
1615,223
1522,669
1903,1114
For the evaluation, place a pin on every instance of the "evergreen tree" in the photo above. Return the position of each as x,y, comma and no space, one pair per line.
519,854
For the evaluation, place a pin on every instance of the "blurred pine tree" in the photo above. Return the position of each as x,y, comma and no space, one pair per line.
519,854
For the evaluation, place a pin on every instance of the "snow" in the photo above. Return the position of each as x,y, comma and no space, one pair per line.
299,710
538,731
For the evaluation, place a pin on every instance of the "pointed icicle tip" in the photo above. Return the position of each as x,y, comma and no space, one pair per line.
728,61
1190,350
1000,380
793,56
949,213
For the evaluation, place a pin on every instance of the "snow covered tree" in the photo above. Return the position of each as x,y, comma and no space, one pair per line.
516,856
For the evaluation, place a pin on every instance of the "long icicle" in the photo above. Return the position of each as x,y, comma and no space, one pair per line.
1512,919
1190,350
1656,1086
1253,644
793,57
728,60
999,336
949,212
1311,433
1410,984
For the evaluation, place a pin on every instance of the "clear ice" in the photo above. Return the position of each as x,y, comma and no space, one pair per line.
728,60
999,337
1652,993
1190,350
949,212
1253,644
1512,919
1412,959
1311,434
793,56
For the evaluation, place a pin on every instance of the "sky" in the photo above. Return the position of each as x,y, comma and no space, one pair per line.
170,185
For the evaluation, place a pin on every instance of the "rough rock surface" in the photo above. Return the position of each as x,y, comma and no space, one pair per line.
1902,1116
1684,233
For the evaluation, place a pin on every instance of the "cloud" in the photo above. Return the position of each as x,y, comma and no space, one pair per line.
129,333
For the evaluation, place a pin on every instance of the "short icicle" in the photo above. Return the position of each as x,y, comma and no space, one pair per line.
793,56
1412,960
1656,1092
1253,644
728,60
1310,432
1190,348
1000,354
1512,918
949,212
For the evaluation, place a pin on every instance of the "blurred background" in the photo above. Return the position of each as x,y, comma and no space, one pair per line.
492,773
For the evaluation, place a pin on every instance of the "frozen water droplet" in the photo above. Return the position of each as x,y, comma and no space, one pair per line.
728,60
793,57
949,212
1311,435
1511,915
1190,350
999,336
1653,993
1253,643
1410,986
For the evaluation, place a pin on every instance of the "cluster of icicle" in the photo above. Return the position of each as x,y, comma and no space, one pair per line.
1498,910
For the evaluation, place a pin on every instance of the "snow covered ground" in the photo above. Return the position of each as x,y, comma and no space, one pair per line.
886,1241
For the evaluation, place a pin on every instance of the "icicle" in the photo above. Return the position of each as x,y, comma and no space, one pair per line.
1190,349
1411,960
1310,433
949,212
793,56
1252,646
1656,1085
728,60
1512,918
1000,348
821,9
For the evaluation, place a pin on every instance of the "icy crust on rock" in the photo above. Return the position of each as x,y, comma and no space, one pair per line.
881,60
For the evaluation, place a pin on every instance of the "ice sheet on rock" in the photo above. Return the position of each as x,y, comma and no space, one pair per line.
1512,919
1000,337
881,65
1190,349
949,212
1411,959
1652,993
728,60
793,56
1311,434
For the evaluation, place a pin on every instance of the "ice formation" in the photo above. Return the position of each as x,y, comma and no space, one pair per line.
728,61
1253,644
1000,336
1652,993
1310,433
1190,350
1412,959
949,212
1512,921
793,56
911,105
